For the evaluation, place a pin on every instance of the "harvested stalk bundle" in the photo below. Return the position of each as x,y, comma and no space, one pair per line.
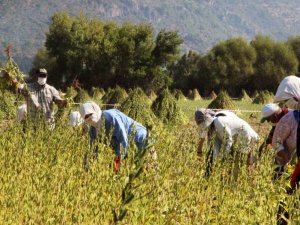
166,108
213,95
194,95
151,95
114,96
263,97
222,101
178,94
11,73
82,96
7,106
138,107
244,96
97,93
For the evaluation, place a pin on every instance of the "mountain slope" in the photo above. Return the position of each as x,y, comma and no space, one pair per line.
200,23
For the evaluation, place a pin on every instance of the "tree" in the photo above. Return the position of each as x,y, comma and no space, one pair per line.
108,54
274,61
294,43
184,69
227,66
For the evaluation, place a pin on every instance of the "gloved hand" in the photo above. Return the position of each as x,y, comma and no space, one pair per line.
295,176
117,163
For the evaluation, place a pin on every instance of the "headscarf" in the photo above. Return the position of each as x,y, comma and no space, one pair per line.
204,116
288,88
95,119
90,108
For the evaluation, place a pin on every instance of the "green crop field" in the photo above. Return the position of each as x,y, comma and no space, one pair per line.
43,180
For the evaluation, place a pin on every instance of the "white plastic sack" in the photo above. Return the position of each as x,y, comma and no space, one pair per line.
21,112
75,119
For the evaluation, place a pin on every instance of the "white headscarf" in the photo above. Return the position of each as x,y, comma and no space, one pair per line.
207,116
91,108
288,88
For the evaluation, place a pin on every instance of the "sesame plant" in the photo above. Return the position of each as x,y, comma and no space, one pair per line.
43,180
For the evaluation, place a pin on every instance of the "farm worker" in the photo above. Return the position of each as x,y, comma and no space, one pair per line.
120,125
286,138
288,92
272,113
40,98
75,119
22,112
226,126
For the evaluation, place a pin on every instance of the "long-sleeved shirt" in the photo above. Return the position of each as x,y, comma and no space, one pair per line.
227,126
123,126
285,134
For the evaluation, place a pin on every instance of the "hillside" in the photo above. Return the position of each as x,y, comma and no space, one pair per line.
200,23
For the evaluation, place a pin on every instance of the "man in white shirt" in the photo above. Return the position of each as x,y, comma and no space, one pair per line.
227,127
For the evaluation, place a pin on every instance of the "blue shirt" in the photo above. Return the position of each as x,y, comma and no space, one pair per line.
123,126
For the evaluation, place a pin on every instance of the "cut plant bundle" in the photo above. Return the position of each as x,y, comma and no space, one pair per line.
222,101
138,107
263,97
166,108
114,96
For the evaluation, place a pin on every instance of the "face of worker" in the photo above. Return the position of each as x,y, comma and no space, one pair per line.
42,78
91,119
274,118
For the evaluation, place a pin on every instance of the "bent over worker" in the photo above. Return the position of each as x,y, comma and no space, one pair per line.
227,127
117,123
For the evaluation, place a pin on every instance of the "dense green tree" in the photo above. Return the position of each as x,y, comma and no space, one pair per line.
227,66
184,69
108,54
294,43
274,61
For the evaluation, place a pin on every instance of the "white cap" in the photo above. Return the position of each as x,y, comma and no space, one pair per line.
269,109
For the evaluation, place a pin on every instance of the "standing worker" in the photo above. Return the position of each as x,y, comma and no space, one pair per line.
40,98
116,122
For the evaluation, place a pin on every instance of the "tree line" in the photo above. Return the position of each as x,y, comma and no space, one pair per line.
106,54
